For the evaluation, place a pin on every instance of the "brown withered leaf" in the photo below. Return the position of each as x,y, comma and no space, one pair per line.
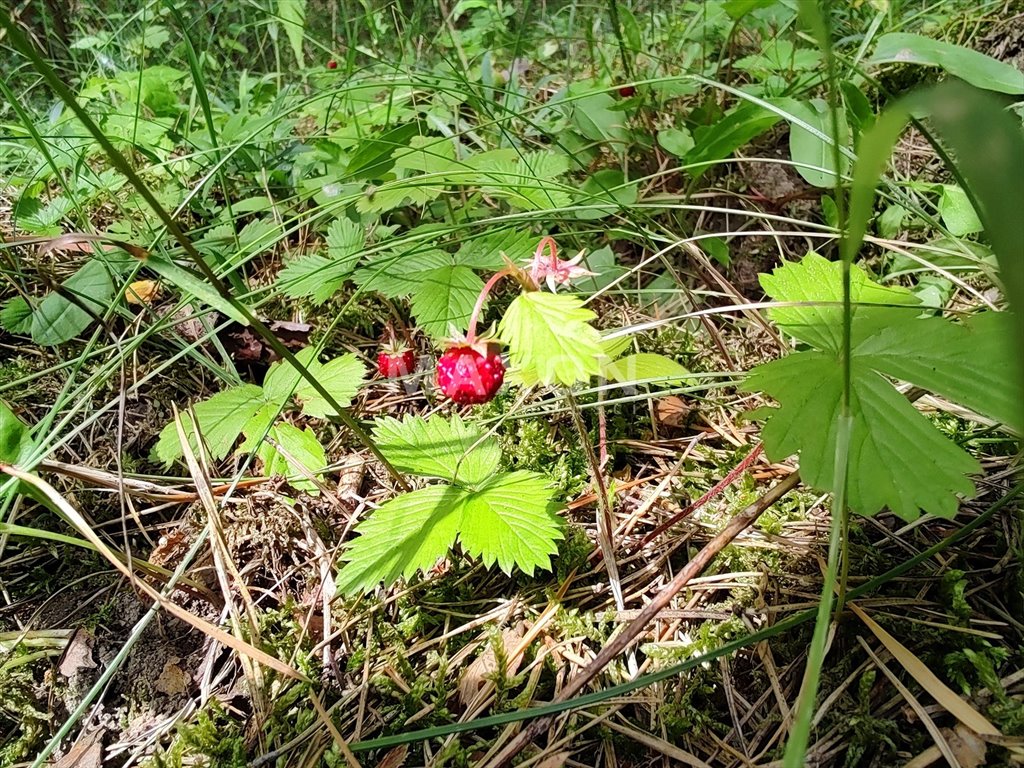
246,346
87,752
671,411
486,664
394,758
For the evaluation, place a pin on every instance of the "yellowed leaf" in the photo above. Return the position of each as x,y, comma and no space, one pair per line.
142,292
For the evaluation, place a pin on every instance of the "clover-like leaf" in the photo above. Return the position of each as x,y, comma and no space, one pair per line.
816,282
445,298
550,339
450,449
341,377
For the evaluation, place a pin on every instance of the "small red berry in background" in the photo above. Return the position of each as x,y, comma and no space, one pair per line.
470,374
395,362
625,91
332,64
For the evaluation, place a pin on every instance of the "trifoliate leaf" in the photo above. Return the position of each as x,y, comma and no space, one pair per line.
450,449
220,418
511,520
427,154
288,451
319,276
444,298
409,533
818,281
646,367
550,339
396,194
897,459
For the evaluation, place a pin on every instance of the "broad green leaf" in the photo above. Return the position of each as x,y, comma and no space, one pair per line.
407,534
678,141
605,193
373,157
808,149
897,459
489,252
958,215
427,154
56,319
818,281
511,520
220,418
397,194
643,367
15,440
972,363
450,449
318,276
445,297
293,16
288,451
603,264
739,8
550,339
717,142
972,66
596,118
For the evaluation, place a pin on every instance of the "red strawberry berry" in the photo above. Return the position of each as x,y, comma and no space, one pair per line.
470,374
332,64
625,91
393,363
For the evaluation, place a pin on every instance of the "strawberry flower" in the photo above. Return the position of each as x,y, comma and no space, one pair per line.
551,269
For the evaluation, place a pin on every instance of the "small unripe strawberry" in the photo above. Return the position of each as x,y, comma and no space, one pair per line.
332,64
393,363
625,91
470,374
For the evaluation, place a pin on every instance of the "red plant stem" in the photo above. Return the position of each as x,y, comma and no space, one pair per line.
471,334
719,487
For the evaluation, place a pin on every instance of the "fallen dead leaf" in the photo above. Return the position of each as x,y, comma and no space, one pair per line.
556,760
395,757
87,752
671,411
966,745
78,655
173,680
486,664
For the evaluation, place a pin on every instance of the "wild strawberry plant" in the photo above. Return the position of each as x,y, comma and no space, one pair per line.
506,518
253,412
897,458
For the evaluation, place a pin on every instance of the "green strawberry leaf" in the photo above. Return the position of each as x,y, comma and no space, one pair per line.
15,440
488,252
645,366
444,298
409,533
511,520
815,280
220,419
897,459
550,339
450,449
400,273
57,319
319,277
294,453
972,363
341,377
